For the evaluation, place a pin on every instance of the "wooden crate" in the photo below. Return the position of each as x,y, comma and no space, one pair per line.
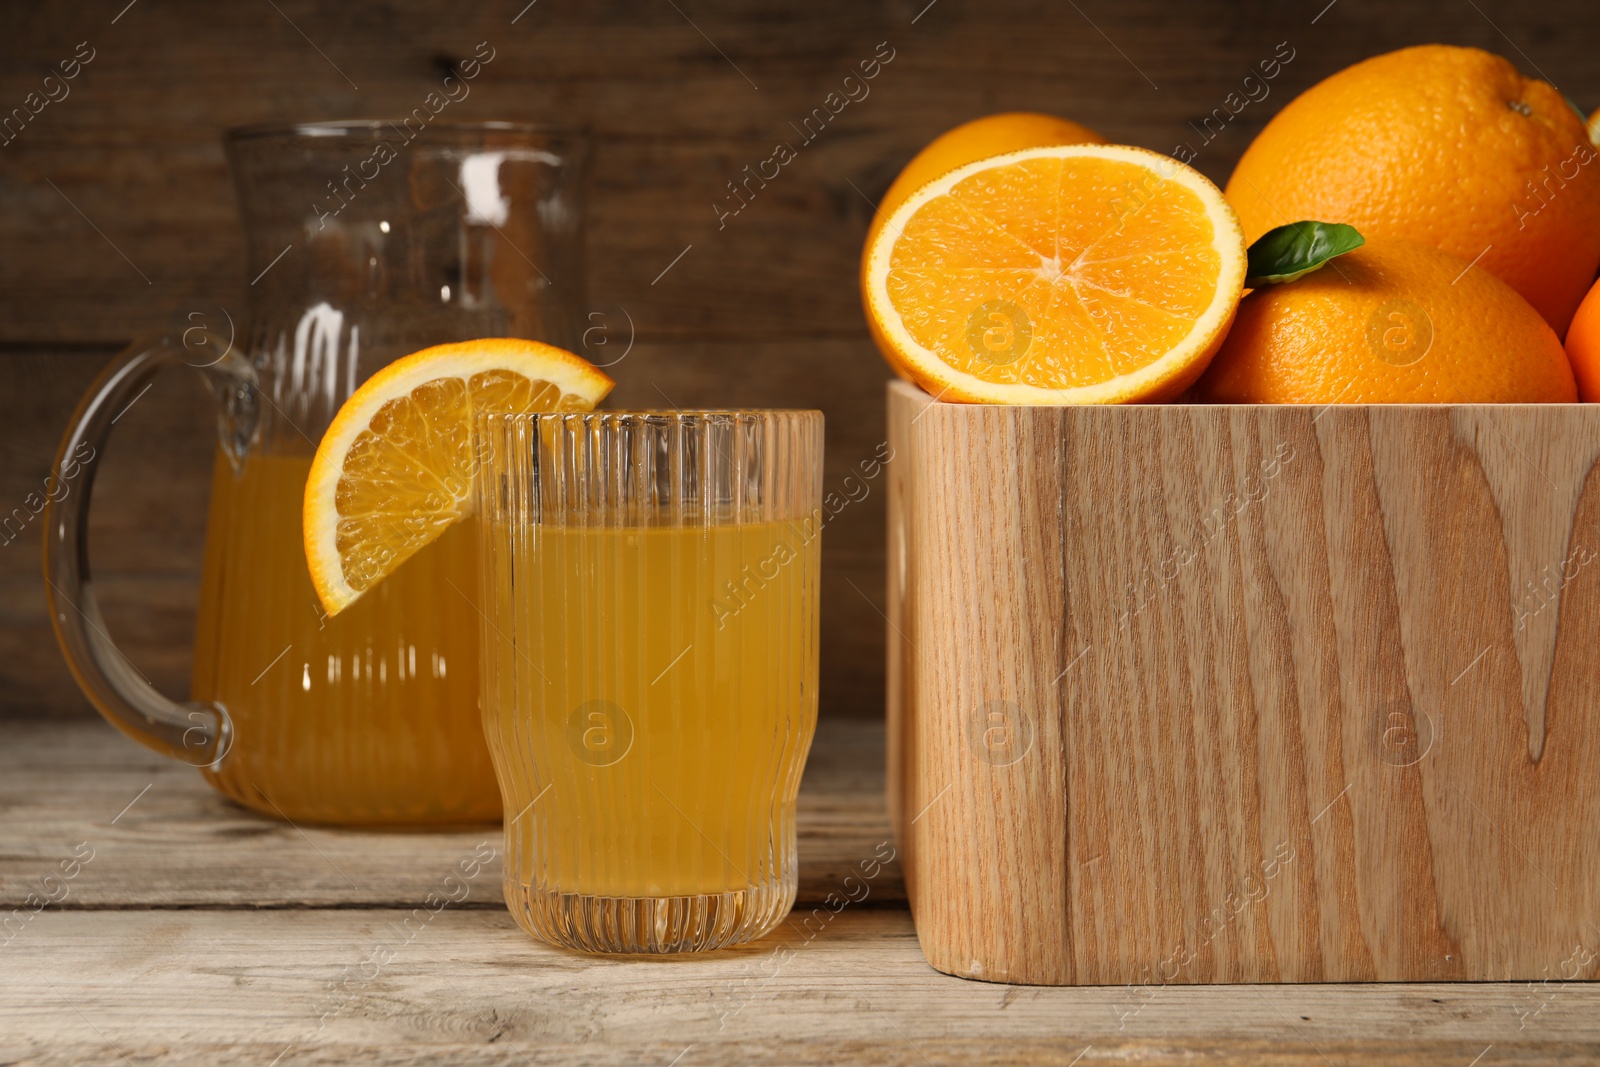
1247,694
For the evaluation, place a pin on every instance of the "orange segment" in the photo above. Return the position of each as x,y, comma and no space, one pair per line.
396,466
1061,274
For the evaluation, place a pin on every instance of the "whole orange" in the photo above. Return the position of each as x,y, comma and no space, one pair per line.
1392,322
1583,346
992,135
1448,146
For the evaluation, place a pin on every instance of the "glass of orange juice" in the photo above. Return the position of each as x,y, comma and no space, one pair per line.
649,667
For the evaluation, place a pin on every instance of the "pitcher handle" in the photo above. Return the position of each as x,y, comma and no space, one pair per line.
196,733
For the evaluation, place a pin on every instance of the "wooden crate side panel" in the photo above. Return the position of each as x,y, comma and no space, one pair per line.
1509,825
1169,849
903,404
1290,675
986,810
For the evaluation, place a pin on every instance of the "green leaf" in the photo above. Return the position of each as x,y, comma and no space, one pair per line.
1295,250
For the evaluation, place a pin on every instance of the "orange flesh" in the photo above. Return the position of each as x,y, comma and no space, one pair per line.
1110,264
425,437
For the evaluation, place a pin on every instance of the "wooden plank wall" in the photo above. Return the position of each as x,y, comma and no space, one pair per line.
116,214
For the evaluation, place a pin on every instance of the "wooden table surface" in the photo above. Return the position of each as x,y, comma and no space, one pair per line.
194,931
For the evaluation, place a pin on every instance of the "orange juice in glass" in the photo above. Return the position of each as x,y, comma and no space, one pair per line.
649,668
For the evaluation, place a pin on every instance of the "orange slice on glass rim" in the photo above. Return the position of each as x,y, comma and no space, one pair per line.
1057,275
396,466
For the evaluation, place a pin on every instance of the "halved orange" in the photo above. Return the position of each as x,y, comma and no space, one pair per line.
1057,275
396,466
982,138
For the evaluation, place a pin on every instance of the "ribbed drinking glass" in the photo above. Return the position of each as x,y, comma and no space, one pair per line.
649,667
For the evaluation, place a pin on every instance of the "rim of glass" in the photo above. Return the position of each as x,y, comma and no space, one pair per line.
337,128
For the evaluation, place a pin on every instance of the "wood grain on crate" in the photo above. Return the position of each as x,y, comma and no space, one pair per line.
1248,694
199,933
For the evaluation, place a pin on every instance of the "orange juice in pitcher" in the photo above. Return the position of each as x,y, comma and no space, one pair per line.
389,687
370,716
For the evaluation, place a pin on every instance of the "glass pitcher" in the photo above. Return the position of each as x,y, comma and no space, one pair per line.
366,241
